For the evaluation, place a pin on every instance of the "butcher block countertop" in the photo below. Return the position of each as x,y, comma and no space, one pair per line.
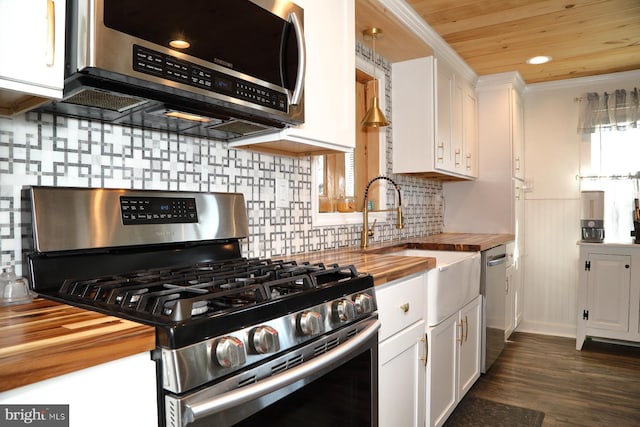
376,261
45,339
460,241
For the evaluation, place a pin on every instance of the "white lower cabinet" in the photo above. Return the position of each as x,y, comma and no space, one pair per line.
424,371
401,378
401,352
608,292
453,361
510,303
96,395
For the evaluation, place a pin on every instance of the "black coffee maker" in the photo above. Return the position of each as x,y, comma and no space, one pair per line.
592,221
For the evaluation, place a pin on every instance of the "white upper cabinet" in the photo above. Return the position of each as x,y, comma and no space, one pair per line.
434,120
445,120
329,125
32,51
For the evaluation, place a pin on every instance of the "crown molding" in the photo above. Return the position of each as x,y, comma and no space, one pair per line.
584,81
414,22
500,80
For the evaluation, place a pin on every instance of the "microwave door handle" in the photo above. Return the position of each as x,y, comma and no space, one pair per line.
203,405
296,96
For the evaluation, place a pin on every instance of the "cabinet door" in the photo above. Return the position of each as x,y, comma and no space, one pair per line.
517,282
470,131
401,378
457,127
441,370
469,354
517,134
444,116
32,48
413,115
330,58
510,303
608,292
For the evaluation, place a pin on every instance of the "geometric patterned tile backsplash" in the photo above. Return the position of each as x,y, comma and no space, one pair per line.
42,149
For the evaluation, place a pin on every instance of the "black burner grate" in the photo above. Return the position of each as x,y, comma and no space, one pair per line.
203,289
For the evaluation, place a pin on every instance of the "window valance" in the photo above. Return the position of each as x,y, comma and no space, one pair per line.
616,110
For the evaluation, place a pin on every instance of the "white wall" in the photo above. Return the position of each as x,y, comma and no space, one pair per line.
552,161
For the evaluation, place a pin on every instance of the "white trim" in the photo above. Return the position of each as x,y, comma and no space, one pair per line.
414,22
336,218
501,80
583,81
548,328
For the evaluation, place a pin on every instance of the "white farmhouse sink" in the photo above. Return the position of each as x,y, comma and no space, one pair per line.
454,282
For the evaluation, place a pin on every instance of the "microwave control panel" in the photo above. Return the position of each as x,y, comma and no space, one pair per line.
158,64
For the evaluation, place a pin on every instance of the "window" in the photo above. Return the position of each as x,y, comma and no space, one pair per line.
340,179
612,164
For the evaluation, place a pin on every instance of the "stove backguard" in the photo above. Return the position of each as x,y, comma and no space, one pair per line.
76,219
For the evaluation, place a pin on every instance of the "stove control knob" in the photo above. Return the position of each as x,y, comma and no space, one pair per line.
230,352
363,303
345,310
310,323
265,340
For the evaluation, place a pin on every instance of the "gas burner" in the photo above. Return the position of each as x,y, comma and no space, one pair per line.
187,291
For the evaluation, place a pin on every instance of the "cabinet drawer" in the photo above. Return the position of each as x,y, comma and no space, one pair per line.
400,303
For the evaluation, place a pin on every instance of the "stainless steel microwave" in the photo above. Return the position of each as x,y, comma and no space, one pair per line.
224,67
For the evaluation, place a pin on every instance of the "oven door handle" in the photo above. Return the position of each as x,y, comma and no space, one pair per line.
205,405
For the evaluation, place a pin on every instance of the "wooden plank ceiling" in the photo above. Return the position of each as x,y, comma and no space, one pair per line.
584,37
397,43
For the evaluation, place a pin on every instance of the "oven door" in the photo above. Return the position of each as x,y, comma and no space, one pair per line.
337,387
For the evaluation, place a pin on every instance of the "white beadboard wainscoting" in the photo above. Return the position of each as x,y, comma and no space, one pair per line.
552,230
552,199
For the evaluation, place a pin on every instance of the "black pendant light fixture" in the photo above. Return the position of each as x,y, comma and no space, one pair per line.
374,116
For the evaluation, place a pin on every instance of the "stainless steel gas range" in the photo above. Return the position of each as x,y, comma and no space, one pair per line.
240,341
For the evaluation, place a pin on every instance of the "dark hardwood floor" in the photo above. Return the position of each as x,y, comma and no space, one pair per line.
598,386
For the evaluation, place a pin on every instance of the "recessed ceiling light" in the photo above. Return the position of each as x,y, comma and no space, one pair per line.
179,44
538,60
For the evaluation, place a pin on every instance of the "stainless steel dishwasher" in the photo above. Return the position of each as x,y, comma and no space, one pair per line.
492,288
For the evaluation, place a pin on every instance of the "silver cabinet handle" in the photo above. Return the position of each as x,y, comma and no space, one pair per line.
466,327
439,156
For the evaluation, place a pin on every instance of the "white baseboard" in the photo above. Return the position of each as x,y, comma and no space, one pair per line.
545,328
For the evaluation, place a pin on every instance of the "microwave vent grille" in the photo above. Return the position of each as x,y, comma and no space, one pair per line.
104,100
239,127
